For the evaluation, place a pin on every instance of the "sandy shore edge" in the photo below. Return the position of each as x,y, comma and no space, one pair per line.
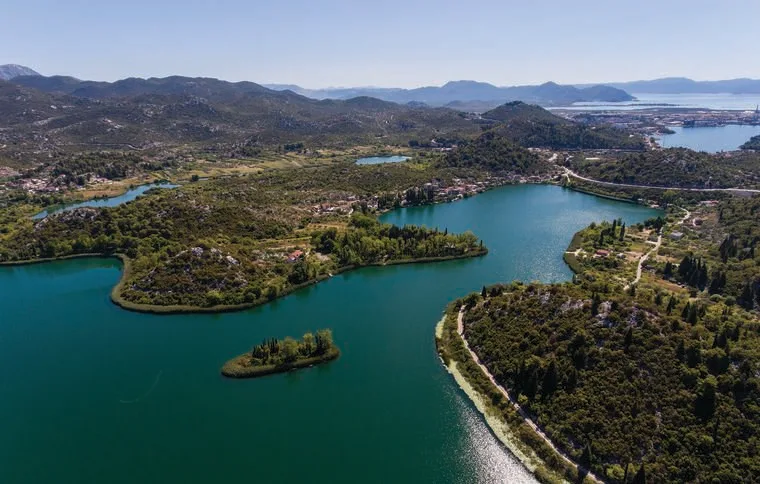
499,428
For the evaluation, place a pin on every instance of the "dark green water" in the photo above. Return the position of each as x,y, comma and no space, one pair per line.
386,411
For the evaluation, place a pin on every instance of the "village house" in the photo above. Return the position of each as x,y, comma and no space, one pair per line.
295,255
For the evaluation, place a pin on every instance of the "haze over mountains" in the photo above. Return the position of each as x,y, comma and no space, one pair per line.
9,71
684,85
549,93
461,95
51,114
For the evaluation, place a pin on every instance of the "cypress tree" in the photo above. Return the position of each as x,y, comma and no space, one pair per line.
585,460
680,351
572,380
684,268
746,299
685,312
702,282
692,318
549,384
671,304
595,301
704,406
484,293
640,477
628,338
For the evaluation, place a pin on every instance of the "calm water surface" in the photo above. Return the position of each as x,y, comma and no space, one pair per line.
377,160
105,202
719,101
93,393
711,139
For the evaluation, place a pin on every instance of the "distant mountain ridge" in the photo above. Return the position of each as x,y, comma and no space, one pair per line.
42,115
9,71
460,94
684,85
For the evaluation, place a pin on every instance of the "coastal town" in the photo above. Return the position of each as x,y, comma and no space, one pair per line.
655,121
434,192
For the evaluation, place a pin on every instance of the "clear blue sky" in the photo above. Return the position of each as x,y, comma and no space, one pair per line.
407,43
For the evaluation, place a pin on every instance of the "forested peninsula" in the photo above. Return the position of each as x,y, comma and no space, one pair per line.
632,373
232,243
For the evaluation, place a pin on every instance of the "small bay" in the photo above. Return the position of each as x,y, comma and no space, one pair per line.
711,139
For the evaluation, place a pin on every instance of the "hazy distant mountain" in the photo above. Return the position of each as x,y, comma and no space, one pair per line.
471,94
9,71
683,85
202,87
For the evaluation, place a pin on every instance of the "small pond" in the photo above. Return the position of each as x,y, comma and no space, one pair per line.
377,160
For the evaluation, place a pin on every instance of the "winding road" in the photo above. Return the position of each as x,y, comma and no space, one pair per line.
654,249
643,259
526,418
570,173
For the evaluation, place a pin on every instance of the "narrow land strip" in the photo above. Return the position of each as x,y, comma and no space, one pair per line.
526,418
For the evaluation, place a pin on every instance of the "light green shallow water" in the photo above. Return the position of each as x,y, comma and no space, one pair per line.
386,411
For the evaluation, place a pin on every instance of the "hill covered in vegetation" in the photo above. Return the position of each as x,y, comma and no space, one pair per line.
628,377
752,144
534,126
672,167
495,153
150,114
657,378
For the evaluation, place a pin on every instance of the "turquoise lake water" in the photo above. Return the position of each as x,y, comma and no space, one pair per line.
95,394
105,202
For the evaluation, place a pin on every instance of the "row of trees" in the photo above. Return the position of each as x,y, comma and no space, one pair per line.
368,241
276,352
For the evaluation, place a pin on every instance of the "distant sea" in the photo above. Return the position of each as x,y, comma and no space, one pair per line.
709,138
737,102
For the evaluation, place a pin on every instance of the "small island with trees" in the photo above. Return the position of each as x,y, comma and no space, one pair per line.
278,356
